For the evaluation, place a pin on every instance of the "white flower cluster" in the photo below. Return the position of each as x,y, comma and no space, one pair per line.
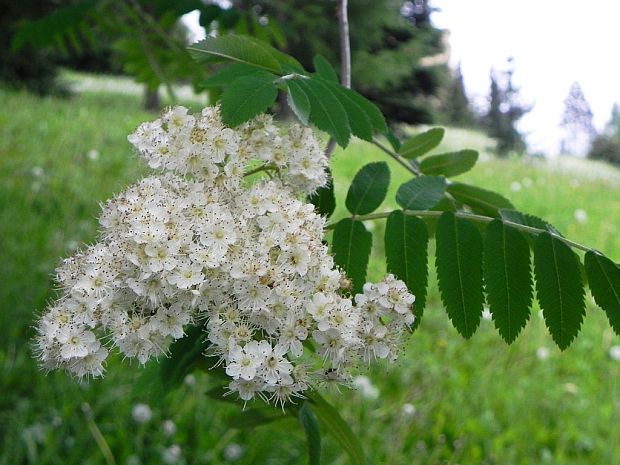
199,244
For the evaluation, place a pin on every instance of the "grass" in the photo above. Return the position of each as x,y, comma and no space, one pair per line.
446,401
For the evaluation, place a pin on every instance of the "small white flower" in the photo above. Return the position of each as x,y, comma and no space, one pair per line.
169,427
542,353
409,410
141,413
232,452
580,215
515,186
486,314
364,385
171,455
614,353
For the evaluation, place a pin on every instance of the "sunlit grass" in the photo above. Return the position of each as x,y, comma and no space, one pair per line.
446,401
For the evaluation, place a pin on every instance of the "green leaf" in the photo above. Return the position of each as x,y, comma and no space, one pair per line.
326,111
351,246
372,111
526,219
406,253
310,424
298,101
237,48
248,96
459,271
184,354
508,278
479,200
559,288
421,193
604,280
251,418
392,139
449,164
359,121
421,143
224,76
324,69
368,189
339,429
324,199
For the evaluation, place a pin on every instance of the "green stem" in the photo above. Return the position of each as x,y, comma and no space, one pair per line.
467,216
398,158
265,167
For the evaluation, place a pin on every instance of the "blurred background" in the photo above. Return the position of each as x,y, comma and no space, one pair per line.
532,86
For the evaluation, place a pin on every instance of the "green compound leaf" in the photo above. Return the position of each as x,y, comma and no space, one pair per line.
368,189
223,77
479,200
421,193
449,164
459,271
339,429
526,219
421,143
406,253
359,120
308,421
326,111
508,278
298,101
351,246
372,111
604,279
237,48
559,288
324,69
324,199
248,96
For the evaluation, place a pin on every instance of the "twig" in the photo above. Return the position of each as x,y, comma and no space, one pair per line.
398,158
468,216
345,58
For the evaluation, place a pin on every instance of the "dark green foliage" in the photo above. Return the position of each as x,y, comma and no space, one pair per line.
421,193
449,164
505,110
224,76
351,246
248,96
507,278
605,148
456,109
459,271
324,199
184,355
340,429
368,189
604,281
308,421
324,69
326,112
406,255
559,288
479,200
422,143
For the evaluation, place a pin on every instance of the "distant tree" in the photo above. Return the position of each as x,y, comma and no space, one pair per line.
505,110
576,123
456,107
606,146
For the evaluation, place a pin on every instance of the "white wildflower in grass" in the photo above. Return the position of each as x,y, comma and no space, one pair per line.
210,240
232,452
515,186
168,427
543,353
580,215
614,353
141,413
365,387
171,455
486,314
409,410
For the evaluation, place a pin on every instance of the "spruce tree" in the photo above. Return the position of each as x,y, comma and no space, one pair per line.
576,123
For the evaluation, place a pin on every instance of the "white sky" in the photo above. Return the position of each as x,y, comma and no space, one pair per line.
553,42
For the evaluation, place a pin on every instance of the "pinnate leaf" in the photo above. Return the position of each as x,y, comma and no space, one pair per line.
298,101
248,96
339,429
559,288
479,200
326,111
508,278
604,279
421,143
368,189
421,193
359,120
223,77
351,246
324,199
526,219
459,271
406,253
324,69
308,421
449,164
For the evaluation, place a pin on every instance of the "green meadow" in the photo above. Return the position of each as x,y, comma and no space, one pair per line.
446,401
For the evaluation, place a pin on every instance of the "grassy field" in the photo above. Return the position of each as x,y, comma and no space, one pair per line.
446,401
